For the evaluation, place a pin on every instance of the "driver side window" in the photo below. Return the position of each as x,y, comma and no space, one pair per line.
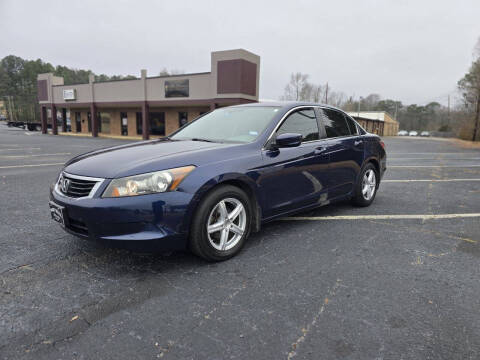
302,122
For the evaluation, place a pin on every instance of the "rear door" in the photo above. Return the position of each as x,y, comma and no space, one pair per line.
346,151
295,177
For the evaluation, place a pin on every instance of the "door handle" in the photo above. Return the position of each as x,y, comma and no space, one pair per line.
319,150
357,142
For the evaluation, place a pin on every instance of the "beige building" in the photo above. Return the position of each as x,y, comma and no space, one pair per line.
3,109
148,106
376,122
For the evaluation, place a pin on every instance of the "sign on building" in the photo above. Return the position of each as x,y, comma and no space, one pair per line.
69,94
177,88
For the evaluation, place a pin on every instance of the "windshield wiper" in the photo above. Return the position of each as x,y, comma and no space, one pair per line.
200,139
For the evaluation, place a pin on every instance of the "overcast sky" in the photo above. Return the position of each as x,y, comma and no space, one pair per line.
414,51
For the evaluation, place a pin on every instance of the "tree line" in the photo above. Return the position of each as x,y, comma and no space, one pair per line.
463,119
18,84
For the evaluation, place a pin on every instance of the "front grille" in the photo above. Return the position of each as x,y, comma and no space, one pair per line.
75,187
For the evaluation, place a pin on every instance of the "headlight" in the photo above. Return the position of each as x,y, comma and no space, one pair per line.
155,182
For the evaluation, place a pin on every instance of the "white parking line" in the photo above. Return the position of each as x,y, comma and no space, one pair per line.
435,159
433,166
29,165
384,217
427,180
22,149
431,153
32,155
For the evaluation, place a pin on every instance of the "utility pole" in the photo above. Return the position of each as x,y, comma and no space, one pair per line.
326,94
477,118
448,114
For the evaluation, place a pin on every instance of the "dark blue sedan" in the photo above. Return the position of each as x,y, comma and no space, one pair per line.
210,184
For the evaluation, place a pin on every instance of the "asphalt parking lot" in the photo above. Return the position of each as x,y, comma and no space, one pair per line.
369,283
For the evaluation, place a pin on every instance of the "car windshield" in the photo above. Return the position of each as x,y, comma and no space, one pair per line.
233,124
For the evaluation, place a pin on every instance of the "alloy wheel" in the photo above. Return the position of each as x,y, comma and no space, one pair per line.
369,184
226,224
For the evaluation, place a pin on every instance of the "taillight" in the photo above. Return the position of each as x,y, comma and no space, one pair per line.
383,144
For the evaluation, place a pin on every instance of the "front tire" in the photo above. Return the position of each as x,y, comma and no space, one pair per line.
221,224
366,187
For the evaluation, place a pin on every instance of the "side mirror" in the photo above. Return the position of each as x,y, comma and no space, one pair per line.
288,140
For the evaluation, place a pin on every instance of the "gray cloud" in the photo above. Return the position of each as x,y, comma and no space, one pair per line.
414,51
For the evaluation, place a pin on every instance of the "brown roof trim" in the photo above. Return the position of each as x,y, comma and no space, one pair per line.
367,119
148,77
177,75
189,102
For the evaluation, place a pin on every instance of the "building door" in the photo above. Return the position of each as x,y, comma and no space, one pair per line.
78,122
157,123
182,118
139,123
89,119
124,120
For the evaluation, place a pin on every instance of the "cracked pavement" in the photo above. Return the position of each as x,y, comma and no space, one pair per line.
353,289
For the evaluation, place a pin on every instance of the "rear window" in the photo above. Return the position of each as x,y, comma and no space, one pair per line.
351,125
335,123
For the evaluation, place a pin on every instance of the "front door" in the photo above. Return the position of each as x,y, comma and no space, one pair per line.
78,122
295,177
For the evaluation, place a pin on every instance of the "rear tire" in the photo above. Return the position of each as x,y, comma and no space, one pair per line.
366,187
221,224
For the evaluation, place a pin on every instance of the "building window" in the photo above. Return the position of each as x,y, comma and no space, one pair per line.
124,120
139,123
157,123
182,118
103,119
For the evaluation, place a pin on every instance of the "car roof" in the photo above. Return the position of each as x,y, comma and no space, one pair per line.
286,105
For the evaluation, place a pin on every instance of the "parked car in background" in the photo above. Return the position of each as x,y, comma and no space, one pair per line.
424,133
402,133
413,133
3,117
211,183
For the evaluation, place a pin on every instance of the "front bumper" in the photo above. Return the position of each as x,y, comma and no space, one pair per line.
146,222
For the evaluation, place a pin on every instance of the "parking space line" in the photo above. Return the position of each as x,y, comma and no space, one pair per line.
32,155
434,159
431,153
29,165
19,149
433,166
427,180
384,217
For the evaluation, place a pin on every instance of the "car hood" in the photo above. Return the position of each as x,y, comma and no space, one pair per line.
141,157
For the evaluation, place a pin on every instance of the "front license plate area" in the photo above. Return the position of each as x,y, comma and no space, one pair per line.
58,213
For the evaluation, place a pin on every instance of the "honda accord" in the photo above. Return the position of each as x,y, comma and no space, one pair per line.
217,179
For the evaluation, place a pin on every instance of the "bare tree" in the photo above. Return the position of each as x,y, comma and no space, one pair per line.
298,87
166,72
469,85
476,50
370,102
317,93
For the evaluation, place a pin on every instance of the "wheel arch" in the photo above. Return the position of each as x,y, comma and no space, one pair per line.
240,181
